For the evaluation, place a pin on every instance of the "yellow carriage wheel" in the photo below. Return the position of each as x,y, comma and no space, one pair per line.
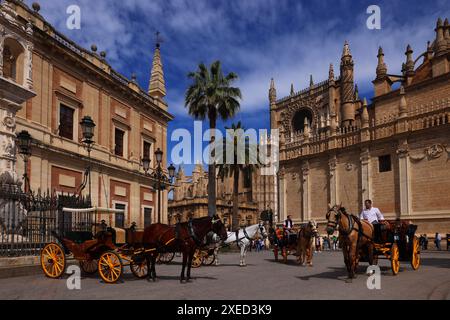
395,262
415,254
89,266
165,258
197,259
209,259
110,267
53,260
139,267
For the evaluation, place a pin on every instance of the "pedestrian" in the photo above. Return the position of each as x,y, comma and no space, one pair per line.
437,240
318,244
334,242
422,242
425,242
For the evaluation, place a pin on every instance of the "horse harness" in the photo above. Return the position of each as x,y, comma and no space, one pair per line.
352,220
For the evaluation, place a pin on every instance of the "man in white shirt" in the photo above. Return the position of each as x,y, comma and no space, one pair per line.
371,214
288,224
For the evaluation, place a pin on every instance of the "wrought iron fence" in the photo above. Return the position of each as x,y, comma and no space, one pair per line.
28,219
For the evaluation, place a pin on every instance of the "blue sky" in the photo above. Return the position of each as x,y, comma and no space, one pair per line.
257,39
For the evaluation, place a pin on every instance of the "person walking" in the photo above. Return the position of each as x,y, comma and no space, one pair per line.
334,242
437,240
318,244
425,242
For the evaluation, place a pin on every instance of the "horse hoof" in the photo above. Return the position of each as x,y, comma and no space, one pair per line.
349,280
310,265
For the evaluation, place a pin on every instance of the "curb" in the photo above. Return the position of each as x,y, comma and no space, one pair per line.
19,271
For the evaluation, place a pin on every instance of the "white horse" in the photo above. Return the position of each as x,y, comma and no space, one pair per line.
243,240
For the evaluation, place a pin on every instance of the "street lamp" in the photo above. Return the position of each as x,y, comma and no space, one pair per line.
161,179
87,129
24,140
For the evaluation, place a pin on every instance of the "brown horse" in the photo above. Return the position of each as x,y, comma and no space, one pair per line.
183,237
305,242
355,235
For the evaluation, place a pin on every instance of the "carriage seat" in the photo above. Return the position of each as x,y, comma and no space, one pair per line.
120,236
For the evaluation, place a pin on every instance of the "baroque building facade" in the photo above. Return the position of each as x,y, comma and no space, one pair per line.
190,196
336,148
59,83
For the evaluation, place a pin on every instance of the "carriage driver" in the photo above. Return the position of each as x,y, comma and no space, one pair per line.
373,215
288,224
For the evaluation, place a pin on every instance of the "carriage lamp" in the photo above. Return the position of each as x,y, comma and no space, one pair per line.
87,129
158,156
146,164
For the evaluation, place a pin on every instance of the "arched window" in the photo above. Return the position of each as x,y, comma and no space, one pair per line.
13,60
298,122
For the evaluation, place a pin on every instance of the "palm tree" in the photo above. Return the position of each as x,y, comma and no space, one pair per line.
210,95
234,169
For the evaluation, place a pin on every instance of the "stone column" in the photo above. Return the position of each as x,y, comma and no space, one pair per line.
404,176
332,188
305,192
8,112
282,195
365,175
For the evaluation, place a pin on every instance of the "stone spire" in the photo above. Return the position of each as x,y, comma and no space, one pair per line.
441,44
306,129
331,73
364,115
272,92
381,66
447,33
409,65
311,81
157,86
356,92
347,86
402,108
292,89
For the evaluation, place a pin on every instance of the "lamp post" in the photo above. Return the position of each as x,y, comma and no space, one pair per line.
87,129
24,143
161,179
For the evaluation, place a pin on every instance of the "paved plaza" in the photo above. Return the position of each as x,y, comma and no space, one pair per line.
263,278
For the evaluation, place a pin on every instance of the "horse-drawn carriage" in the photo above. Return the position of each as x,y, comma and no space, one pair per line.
297,241
397,242
362,242
96,246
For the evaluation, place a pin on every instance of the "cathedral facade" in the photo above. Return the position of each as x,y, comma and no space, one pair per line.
336,148
190,196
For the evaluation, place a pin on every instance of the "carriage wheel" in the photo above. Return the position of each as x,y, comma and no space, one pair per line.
53,260
139,267
89,266
415,254
197,259
208,259
110,267
395,263
166,257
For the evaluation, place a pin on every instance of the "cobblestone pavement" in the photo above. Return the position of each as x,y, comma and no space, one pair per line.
263,278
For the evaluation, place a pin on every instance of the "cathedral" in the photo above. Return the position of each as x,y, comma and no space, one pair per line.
337,148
